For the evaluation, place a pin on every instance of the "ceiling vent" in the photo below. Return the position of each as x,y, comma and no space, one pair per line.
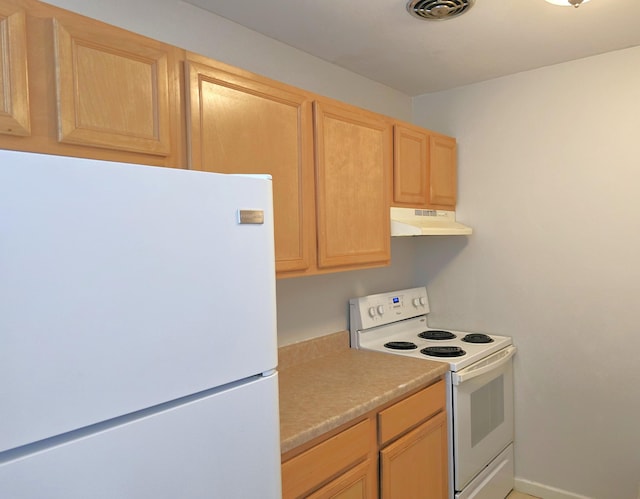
438,10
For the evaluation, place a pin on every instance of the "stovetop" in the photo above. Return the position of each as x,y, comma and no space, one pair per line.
408,331
401,317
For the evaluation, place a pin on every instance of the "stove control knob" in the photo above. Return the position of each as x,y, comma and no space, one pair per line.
372,312
423,302
416,302
381,309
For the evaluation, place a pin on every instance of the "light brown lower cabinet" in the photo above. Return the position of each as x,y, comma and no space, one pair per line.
399,451
415,465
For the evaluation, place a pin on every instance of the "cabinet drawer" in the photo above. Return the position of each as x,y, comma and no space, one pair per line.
407,413
327,459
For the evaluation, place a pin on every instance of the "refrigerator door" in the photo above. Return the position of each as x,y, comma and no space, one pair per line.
188,451
123,287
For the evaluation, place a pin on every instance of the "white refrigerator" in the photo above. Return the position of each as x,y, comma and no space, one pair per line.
138,345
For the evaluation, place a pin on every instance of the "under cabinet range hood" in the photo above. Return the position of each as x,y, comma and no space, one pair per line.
416,222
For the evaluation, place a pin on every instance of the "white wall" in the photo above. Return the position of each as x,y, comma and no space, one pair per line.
549,169
310,306
314,306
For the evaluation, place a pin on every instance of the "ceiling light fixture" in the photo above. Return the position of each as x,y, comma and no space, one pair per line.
568,3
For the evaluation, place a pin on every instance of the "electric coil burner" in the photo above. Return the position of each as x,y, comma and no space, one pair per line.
477,338
443,351
436,334
400,345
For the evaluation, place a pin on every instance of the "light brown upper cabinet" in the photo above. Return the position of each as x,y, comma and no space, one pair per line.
74,86
243,123
353,164
410,166
14,97
442,172
113,91
424,168
338,219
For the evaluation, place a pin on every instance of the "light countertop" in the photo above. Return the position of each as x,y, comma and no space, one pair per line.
325,384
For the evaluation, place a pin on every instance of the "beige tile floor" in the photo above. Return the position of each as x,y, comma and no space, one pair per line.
519,495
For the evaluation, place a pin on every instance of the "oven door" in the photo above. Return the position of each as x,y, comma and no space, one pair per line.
482,399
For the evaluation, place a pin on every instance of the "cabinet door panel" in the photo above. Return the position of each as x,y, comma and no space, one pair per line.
112,91
353,165
240,125
442,172
411,153
14,90
416,464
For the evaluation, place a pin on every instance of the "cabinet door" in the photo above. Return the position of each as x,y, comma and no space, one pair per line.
240,124
416,464
113,88
357,483
442,172
14,96
410,166
353,165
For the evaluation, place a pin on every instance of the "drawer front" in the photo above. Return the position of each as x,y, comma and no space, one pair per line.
310,469
409,412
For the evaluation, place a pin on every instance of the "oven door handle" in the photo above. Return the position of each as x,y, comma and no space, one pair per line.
492,362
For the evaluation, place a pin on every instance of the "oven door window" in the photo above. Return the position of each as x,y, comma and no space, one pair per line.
487,409
482,421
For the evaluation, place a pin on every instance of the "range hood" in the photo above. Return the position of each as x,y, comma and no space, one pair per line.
414,222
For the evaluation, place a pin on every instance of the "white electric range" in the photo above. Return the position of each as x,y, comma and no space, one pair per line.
479,384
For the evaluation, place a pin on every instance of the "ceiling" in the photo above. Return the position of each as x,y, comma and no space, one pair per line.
378,39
